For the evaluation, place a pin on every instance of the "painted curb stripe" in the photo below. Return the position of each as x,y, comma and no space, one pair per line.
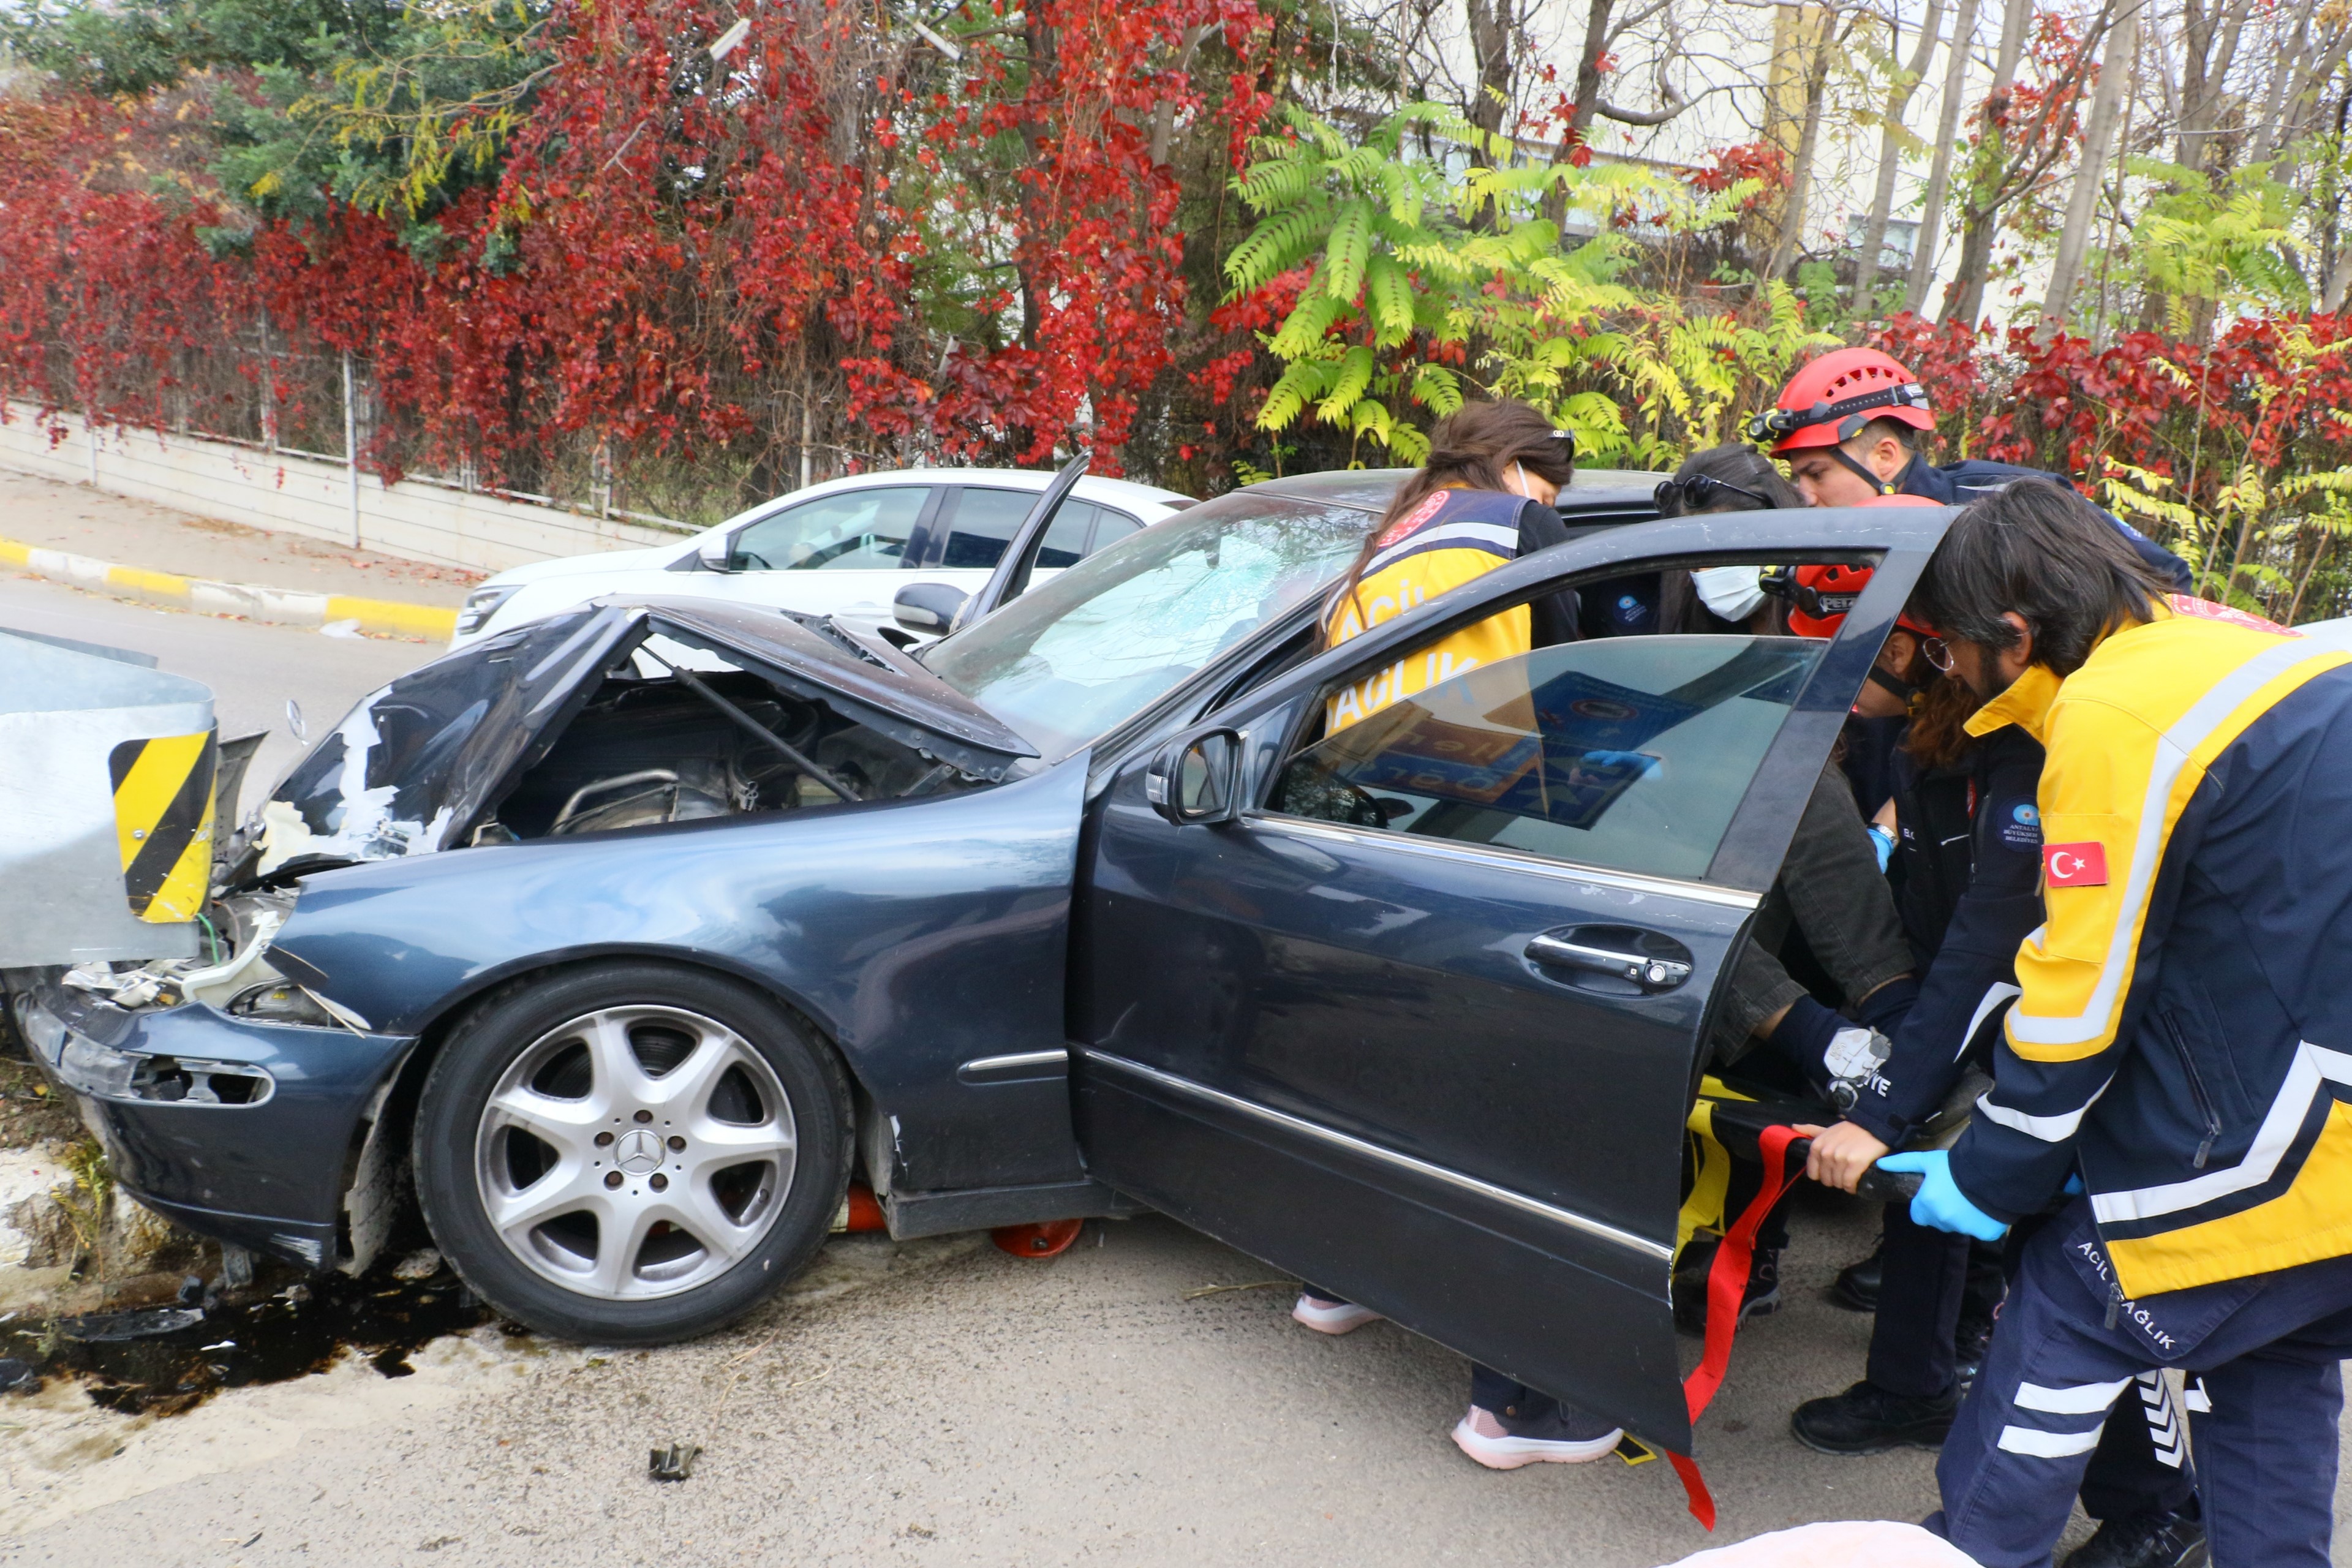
163,823
285,606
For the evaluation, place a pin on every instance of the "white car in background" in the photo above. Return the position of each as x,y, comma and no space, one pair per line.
844,548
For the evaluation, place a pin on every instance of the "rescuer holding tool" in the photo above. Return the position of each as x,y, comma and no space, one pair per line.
2176,1075
1854,423
1967,868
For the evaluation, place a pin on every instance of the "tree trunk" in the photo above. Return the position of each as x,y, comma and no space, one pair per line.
1587,102
1491,25
2098,132
1939,172
1981,202
1890,150
1800,169
2211,47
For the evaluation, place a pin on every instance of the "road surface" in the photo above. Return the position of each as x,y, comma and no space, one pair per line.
926,1404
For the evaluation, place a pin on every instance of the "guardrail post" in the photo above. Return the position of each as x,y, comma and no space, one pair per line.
352,445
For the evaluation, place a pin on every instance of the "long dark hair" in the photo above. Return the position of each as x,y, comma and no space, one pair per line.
2037,548
1472,449
1680,609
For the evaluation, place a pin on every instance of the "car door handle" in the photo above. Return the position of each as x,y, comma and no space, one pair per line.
1649,974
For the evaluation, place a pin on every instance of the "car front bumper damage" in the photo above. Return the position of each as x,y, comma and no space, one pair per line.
247,1132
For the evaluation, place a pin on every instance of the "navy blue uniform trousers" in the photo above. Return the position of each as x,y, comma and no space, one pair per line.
2069,1353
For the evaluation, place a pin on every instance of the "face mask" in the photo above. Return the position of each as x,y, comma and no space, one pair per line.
1731,592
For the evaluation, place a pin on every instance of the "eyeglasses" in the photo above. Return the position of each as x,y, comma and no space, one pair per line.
1700,491
1938,654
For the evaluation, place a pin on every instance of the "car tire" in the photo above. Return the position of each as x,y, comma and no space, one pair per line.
630,1154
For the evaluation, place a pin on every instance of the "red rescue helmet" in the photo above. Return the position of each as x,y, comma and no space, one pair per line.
1832,398
1820,596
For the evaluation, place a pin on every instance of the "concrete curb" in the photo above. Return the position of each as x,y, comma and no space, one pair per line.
286,606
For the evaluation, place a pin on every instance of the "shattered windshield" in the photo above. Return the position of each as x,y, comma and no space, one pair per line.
1075,655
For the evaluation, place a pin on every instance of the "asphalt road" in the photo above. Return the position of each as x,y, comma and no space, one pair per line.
925,1404
253,666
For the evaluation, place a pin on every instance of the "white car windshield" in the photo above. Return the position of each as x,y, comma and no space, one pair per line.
1075,655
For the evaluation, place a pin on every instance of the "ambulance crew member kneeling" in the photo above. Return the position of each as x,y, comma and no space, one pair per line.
2179,1058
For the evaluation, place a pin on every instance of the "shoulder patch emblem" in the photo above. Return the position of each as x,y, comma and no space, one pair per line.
1403,527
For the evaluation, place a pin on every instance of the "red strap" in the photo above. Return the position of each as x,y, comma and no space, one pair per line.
1727,1283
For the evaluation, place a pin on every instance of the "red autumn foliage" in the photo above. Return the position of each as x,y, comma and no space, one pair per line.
2192,412
676,264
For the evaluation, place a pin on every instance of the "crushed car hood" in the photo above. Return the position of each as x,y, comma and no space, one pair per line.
412,765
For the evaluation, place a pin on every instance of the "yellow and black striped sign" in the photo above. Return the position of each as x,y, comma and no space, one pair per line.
164,818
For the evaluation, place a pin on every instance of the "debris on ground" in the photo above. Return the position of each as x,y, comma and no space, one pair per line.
164,1359
674,1463
420,1265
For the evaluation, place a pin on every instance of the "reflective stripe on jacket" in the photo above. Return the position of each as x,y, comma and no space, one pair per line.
2185,1025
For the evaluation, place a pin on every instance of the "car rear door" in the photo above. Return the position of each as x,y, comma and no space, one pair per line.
1421,1021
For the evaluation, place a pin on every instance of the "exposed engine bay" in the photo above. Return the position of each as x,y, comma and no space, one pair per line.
647,751
532,736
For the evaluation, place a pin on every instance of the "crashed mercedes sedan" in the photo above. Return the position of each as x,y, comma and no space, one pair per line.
627,938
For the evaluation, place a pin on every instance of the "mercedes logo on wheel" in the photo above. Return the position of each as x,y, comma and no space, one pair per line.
639,1152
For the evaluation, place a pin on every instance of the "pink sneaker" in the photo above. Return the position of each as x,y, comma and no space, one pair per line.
1565,1437
1330,1316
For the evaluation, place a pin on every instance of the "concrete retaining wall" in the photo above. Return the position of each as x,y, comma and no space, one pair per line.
415,519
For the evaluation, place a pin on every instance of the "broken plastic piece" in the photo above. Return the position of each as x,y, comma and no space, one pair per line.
674,1463
236,1266
110,1328
16,1376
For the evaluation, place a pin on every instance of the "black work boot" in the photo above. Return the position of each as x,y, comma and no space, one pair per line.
2161,1540
1866,1419
1857,1284
1687,1288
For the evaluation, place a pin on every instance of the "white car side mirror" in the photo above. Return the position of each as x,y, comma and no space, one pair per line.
714,549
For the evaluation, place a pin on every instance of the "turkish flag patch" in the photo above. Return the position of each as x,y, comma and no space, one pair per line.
2076,865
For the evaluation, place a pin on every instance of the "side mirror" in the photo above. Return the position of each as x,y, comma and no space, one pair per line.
1197,779
714,549
928,609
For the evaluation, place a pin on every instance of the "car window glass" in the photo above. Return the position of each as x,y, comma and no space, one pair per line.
984,523
1065,543
1110,527
864,530
1076,654
1627,752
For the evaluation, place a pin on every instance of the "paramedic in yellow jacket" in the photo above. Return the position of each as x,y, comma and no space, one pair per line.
2174,1077
1484,498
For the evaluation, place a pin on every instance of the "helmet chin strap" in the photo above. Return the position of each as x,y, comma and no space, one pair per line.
1870,476
1901,689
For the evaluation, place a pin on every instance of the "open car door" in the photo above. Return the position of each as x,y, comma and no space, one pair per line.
1414,1007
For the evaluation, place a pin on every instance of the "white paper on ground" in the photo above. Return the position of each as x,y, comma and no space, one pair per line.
1851,1543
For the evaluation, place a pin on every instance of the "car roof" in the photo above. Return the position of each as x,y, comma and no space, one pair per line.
1095,487
1607,492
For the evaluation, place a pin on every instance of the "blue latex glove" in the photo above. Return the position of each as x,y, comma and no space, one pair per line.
1883,842
1941,1204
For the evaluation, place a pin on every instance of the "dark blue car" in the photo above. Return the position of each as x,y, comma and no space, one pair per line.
628,936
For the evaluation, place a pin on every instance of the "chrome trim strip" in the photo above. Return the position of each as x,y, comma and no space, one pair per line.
980,1066
1520,1201
1567,871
